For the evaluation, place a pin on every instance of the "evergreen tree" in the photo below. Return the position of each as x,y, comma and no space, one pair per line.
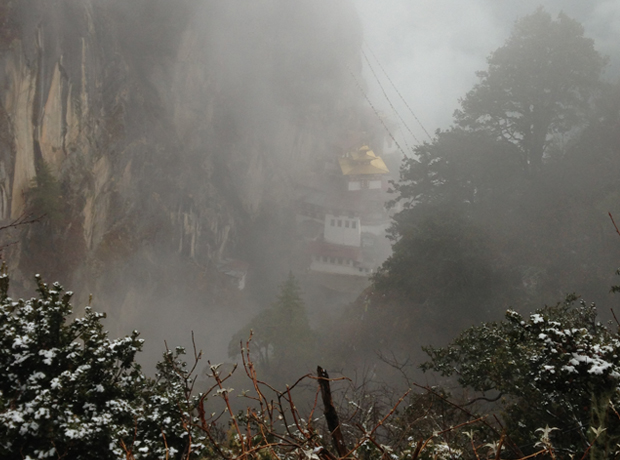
283,341
443,266
485,222
538,84
44,197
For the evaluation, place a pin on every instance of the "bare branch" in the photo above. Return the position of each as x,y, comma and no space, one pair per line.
614,222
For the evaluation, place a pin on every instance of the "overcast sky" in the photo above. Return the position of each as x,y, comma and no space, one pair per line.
432,48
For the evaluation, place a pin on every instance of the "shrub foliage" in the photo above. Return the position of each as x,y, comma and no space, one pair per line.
559,367
69,390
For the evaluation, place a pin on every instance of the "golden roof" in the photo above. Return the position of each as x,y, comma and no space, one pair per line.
363,162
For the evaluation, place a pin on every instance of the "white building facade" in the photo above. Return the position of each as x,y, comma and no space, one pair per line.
343,230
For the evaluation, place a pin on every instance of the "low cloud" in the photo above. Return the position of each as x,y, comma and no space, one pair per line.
431,49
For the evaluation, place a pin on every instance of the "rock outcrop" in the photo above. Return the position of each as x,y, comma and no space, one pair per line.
174,132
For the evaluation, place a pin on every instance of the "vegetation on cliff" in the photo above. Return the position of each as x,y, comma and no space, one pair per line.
509,207
490,217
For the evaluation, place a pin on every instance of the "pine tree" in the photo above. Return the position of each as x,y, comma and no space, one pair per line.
283,341
538,84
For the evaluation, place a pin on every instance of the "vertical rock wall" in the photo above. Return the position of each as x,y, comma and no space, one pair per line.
169,128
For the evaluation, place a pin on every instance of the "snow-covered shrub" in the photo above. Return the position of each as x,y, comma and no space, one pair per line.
66,389
559,367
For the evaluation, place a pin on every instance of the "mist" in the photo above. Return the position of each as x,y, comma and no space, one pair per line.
419,199
431,50
194,157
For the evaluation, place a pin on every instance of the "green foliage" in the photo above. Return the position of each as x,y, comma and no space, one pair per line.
282,337
538,84
446,260
459,167
170,406
477,230
44,197
442,264
54,243
558,368
67,390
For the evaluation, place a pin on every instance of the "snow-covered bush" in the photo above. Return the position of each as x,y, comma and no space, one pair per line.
66,389
559,367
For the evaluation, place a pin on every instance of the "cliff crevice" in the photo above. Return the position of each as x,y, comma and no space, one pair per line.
171,129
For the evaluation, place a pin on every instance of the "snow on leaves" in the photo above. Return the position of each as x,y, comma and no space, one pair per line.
558,366
552,348
69,390
576,350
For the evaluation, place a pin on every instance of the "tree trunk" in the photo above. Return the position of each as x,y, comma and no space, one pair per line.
333,423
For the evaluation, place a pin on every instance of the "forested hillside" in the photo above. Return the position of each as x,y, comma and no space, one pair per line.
509,207
138,159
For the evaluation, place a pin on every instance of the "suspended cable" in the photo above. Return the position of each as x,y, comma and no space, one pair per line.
372,70
398,92
359,86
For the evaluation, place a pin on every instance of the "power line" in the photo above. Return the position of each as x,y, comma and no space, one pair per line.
389,101
398,92
359,86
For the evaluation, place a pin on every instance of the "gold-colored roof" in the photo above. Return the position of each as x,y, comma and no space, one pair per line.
363,162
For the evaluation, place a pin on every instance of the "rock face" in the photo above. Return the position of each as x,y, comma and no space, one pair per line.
160,136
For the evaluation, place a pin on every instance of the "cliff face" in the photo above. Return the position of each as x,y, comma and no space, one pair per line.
159,136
